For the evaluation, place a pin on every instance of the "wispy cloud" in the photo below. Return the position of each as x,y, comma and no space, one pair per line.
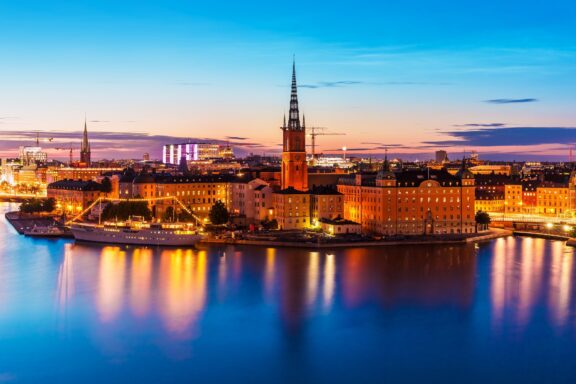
331,84
510,101
113,144
508,136
487,125
236,138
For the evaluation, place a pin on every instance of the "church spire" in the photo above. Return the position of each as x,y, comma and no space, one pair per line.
85,147
85,142
294,115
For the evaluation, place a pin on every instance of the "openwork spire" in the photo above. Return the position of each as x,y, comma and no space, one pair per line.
294,115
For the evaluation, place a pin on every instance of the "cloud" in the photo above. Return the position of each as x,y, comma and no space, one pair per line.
330,84
488,125
236,138
344,83
98,121
510,101
111,144
508,136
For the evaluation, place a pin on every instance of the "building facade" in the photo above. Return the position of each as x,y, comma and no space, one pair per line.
410,202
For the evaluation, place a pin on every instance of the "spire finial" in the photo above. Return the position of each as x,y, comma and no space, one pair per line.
294,114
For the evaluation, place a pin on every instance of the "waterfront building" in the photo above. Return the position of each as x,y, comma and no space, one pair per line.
251,201
292,202
554,199
73,196
339,226
292,208
326,203
410,202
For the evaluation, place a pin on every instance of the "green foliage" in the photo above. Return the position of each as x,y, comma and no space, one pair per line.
270,224
483,218
38,205
106,185
125,209
218,213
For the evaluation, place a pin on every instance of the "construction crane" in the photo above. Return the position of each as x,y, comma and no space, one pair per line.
318,131
71,149
49,139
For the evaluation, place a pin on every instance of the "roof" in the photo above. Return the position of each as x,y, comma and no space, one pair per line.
324,190
338,221
290,191
75,185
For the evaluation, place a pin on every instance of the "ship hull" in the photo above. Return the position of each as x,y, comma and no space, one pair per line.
138,237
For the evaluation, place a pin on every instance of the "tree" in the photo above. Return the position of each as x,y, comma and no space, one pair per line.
49,205
38,205
106,185
218,213
483,219
125,209
168,214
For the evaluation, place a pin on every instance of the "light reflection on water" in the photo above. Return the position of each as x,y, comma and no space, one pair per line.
267,314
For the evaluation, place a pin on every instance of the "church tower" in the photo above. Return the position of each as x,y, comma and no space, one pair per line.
294,165
85,147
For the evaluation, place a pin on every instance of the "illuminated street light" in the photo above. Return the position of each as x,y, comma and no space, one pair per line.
549,225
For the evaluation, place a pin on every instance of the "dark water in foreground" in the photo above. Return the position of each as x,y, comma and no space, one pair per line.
75,313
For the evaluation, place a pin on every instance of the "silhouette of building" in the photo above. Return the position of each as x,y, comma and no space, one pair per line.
85,148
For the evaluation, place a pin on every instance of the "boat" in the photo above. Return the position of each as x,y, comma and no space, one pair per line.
137,232
46,231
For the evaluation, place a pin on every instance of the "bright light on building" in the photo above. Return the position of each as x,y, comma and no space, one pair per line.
567,228
549,225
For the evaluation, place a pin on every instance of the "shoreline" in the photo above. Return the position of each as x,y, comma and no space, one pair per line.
490,235
20,223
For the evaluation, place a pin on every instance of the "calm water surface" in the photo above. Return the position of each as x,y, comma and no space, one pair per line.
69,313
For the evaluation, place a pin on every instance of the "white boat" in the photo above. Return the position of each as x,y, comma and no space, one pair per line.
138,233
45,231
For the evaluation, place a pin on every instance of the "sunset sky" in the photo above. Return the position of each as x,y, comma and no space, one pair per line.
498,77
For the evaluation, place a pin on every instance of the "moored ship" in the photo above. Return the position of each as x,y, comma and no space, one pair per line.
138,233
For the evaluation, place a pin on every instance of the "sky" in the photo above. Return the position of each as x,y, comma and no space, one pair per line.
496,77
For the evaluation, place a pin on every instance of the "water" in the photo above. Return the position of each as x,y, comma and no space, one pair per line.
69,313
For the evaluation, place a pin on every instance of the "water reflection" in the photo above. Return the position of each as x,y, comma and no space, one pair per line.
431,276
529,275
141,281
111,293
182,279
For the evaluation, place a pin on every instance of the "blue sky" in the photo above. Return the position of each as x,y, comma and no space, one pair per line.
418,73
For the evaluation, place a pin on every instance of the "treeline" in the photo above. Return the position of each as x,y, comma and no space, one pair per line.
125,209
38,205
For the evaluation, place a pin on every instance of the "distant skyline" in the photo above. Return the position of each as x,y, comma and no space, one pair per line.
495,77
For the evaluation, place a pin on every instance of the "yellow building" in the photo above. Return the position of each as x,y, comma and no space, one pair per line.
73,196
513,198
326,203
489,202
553,200
291,208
